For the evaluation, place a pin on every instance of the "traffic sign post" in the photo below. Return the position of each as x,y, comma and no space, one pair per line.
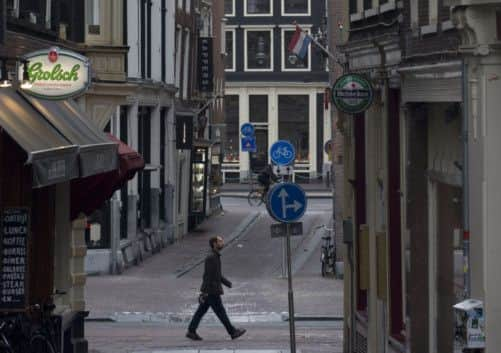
247,129
286,203
248,144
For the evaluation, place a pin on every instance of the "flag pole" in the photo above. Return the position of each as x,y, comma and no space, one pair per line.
324,49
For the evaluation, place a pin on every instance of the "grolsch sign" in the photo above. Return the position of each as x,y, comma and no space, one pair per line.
56,73
205,65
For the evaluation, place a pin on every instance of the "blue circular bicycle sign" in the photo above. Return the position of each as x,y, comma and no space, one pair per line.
286,202
282,152
247,129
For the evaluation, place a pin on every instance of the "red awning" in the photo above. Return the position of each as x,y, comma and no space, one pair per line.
88,194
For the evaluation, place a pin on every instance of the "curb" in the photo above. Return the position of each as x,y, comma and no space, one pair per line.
241,229
285,317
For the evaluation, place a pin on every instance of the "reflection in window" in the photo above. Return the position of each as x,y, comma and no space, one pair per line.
228,7
258,108
293,123
258,50
258,7
228,64
295,6
231,147
291,60
92,16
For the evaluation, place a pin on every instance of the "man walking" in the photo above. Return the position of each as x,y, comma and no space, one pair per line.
211,292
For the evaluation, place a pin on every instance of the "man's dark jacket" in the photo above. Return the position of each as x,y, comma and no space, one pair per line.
213,278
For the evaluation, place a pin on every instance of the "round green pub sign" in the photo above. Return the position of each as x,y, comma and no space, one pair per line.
352,94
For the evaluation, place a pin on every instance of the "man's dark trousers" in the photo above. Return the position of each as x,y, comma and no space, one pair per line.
213,301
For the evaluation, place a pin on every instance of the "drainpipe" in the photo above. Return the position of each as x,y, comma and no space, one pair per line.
466,189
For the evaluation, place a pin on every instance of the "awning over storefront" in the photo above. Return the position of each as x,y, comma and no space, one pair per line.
97,153
88,194
54,158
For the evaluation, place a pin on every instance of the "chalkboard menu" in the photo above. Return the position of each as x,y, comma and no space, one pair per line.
14,264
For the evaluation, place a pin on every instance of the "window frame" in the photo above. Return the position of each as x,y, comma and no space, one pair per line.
234,46
269,14
283,13
283,29
232,13
265,28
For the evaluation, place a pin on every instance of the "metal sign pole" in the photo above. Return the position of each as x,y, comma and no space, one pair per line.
292,325
284,257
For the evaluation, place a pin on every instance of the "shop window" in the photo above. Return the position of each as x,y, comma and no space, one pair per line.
124,194
92,17
290,61
295,7
229,7
258,50
258,108
231,140
293,123
258,116
258,7
229,63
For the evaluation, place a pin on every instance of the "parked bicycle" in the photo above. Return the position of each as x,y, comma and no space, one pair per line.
20,334
328,254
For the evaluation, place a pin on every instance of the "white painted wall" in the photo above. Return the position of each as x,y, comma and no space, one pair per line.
156,40
133,36
170,38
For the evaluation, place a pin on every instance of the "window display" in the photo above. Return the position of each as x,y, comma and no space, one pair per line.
258,53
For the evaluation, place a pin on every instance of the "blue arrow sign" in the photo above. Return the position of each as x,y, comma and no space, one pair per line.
286,202
248,144
282,153
247,129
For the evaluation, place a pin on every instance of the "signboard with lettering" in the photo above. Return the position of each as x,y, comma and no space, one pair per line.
56,73
205,65
352,94
14,252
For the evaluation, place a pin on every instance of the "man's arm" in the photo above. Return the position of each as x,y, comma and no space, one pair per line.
226,282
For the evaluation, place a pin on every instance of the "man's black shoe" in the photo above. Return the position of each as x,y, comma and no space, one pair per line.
238,332
193,336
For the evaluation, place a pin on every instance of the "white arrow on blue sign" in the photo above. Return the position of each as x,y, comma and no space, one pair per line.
282,152
286,202
248,144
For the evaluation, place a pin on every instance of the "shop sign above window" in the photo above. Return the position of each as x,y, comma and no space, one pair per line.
56,73
352,94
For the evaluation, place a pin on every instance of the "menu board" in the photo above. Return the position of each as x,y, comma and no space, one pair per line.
14,253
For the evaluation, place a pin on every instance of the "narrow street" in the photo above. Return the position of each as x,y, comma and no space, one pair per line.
148,307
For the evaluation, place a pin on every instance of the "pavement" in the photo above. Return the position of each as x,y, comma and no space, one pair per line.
148,307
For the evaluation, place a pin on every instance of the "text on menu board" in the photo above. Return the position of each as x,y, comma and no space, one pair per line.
15,229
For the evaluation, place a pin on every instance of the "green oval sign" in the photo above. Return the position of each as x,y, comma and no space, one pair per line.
352,94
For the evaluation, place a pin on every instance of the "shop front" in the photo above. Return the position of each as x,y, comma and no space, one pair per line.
49,153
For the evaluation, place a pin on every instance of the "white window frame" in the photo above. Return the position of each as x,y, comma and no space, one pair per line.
266,28
234,47
283,51
246,14
232,13
295,14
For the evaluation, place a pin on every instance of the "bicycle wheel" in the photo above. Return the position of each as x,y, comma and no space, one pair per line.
40,344
254,198
323,259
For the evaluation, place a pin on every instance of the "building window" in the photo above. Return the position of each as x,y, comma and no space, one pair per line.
290,61
186,72
296,7
258,50
293,123
92,17
258,108
229,7
229,63
188,6
258,7
231,120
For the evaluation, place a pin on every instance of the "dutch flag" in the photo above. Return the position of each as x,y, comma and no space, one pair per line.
299,43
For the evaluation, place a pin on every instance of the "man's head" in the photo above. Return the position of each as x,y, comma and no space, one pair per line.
216,242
